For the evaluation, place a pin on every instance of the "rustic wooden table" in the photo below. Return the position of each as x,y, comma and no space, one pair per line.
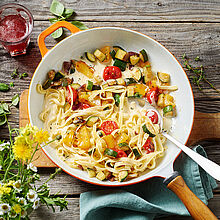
182,26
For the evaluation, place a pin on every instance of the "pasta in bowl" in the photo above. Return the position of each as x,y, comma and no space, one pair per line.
101,106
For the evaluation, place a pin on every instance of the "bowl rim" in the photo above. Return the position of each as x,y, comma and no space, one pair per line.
191,94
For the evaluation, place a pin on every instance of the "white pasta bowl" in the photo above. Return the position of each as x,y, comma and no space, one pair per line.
161,59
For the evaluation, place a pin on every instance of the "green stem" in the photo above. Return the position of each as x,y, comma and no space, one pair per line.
211,85
11,156
51,177
8,168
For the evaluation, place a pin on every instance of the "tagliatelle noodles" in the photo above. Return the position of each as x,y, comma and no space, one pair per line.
130,119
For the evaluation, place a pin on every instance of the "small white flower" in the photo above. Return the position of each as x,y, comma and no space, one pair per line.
4,145
12,214
36,203
17,185
32,195
22,201
23,214
4,207
30,166
0,167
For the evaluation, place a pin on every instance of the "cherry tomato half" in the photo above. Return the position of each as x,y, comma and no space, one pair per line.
108,127
152,115
148,146
84,106
111,72
68,95
121,153
152,95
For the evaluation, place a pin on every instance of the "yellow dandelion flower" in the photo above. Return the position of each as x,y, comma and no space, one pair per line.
17,208
41,136
5,190
21,149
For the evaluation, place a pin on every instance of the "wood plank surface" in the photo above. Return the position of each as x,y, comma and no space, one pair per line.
127,10
190,26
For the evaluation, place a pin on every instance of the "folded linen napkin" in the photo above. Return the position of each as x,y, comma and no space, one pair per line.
149,199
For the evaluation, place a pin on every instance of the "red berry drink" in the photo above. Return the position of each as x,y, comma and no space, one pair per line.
16,24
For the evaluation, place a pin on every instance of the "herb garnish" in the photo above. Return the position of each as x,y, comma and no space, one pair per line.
21,76
199,74
14,73
63,14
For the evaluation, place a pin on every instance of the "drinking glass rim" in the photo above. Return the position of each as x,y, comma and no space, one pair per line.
10,5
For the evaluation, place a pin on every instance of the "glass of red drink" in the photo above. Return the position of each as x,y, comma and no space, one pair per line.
16,24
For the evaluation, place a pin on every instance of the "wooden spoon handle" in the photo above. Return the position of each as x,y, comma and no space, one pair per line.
195,206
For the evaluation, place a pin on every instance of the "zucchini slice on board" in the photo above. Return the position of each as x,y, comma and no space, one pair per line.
136,152
137,75
89,85
91,172
101,56
163,77
112,53
92,120
143,55
123,146
129,81
110,152
134,59
122,175
59,75
120,54
148,131
117,99
47,84
100,176
90,57
121,64
168,110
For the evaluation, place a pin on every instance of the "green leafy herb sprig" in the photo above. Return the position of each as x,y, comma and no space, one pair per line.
5,109
199,74
63,14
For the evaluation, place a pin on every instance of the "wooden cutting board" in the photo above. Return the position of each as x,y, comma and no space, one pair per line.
206,126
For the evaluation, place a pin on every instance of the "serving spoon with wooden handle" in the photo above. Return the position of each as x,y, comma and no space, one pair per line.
175,182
